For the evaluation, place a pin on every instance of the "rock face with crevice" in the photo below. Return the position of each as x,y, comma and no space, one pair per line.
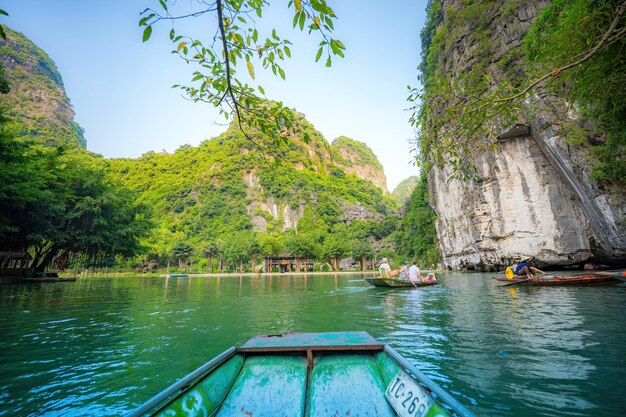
533,194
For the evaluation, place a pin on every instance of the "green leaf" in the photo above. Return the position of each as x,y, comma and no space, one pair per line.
172,34
328,62
302,19
3,12
295,19
146,33
288,52
261,90
319,54
163,4
282,73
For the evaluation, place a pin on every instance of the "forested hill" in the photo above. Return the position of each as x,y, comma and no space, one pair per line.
37,98
226,186
404,190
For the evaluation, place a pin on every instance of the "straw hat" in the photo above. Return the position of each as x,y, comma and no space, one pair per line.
384,260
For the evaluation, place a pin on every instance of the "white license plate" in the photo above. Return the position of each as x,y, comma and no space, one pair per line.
407,397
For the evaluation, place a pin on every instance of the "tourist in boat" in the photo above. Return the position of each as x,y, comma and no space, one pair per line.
385,270
525,269
414,272
430,278
404,270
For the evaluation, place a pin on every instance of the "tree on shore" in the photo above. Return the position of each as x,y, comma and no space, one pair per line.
362,250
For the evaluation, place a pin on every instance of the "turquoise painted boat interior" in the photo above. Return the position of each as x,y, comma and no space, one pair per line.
310,375
271,385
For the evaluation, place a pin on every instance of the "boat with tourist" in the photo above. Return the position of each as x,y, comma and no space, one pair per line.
397,283
306,374
605,277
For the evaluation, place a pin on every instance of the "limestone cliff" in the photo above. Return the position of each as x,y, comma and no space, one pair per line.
37,98
357,158
533,194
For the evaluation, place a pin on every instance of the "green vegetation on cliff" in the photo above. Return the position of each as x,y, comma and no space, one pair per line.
476,79
37,101
352,151
416,237
598,85
404,189
223,192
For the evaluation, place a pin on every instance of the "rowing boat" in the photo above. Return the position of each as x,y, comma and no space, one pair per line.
578,279
306,374
394,282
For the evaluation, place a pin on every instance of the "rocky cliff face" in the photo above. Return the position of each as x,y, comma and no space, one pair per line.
533,194
357,158
37,98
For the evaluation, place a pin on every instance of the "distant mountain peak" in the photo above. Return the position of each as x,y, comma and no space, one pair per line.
357,158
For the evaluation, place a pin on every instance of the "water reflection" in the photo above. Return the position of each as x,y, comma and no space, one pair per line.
101,346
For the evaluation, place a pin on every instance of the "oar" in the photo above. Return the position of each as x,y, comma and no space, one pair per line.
525,280
517,282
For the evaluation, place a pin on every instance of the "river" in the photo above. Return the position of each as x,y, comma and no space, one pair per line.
102,346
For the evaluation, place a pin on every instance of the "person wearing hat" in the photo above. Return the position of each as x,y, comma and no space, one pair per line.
524,268
384,269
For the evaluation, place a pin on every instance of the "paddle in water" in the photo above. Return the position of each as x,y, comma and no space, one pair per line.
524,280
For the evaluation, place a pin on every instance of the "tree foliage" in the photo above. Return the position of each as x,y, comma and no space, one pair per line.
581,45
417,236
55,201
234,41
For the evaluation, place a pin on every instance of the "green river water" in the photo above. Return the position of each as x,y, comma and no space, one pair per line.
102,346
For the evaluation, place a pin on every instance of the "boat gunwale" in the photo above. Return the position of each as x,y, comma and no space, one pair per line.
443,397
404,282
183,384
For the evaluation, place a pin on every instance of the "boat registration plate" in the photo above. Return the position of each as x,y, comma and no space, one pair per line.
406,397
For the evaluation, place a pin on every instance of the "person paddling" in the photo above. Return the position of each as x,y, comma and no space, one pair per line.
525,269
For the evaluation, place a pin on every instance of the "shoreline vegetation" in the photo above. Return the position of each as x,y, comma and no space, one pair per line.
220,274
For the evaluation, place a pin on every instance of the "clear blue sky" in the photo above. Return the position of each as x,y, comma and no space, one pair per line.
121,88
